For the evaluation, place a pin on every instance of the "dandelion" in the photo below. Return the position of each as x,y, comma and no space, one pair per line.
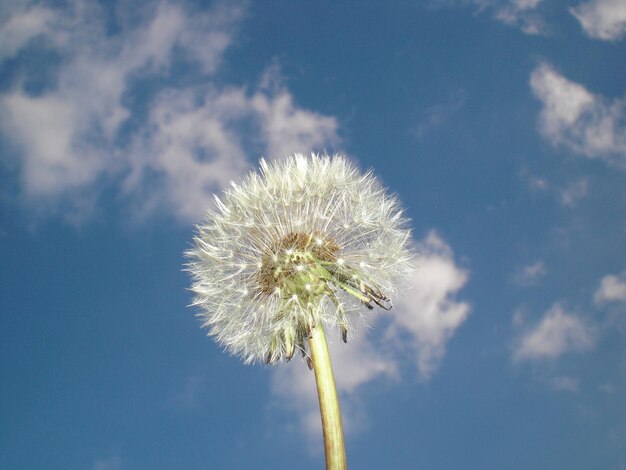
308,242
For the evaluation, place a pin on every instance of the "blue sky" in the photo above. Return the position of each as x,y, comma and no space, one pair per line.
500,124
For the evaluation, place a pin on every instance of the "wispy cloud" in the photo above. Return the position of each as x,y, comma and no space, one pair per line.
568,194
436,115
557,333
577,119
173,146
416,332
19,28
110,463
530,274
521,14
191,392
564,383
536,184
571,194
602,19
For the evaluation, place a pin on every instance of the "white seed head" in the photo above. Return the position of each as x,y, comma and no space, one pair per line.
307,238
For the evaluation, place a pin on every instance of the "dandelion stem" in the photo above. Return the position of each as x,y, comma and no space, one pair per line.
329,401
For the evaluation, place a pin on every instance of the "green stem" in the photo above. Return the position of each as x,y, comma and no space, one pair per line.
329,401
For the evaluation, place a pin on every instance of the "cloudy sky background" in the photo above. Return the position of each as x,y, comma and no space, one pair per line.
501,125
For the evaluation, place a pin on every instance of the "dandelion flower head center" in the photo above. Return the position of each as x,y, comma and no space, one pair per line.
296,265
300,270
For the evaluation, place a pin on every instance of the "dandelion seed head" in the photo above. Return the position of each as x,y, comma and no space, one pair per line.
286,248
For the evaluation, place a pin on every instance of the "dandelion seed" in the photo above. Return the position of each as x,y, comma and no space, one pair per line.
285,245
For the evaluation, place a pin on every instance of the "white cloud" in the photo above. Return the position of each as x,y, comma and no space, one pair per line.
188,148
171,152
46,129
557,333
429,313
417,331
193,144
530,274
602,19
612,289
289,129
67,134
577,119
